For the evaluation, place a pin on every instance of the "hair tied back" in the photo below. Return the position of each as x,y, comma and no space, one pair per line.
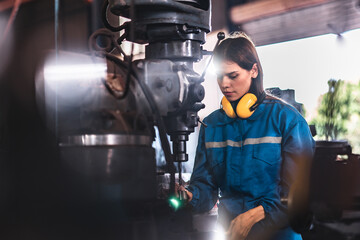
240,34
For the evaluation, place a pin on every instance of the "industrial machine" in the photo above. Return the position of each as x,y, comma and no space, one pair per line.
162,88
106,126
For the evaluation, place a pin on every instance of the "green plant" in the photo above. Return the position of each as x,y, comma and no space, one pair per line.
334,110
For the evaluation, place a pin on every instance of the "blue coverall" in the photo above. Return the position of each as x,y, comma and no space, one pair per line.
250,162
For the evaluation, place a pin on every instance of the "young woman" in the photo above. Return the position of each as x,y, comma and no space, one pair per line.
249,153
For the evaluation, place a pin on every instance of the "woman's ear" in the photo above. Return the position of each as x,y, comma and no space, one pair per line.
254,71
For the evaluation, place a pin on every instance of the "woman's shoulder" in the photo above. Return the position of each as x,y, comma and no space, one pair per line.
217,118
280,106
213,117
284,112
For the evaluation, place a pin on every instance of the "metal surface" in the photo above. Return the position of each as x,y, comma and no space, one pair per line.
174,85
175,50
131,168
105,140
165,11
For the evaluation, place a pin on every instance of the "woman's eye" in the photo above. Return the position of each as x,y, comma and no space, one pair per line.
233,76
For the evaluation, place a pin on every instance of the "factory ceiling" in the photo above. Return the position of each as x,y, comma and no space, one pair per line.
273,21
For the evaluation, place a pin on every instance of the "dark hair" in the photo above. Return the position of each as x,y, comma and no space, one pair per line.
240,49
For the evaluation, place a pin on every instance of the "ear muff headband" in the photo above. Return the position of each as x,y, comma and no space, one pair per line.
242,108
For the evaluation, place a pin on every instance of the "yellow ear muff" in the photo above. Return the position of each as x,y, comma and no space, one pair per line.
228,109
243,107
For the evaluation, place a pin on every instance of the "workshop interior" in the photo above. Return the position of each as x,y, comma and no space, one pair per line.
100,106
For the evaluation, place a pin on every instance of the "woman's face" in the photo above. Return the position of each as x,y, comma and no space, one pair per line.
233,80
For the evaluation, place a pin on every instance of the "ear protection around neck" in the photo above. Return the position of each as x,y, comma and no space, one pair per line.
245,107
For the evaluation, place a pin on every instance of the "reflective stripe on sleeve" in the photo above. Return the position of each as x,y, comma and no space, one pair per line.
248,141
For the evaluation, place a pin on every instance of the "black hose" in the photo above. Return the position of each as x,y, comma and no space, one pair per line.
113,44
128,76
162,132
105,20
148,95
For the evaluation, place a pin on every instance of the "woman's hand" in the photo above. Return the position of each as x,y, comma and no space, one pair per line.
242,224
182,188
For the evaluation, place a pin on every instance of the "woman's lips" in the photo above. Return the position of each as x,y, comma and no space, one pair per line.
228,94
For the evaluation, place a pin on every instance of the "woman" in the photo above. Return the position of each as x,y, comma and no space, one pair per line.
248,154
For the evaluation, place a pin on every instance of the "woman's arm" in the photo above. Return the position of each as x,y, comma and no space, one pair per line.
202,190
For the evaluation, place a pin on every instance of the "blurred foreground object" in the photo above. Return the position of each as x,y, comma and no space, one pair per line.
332,198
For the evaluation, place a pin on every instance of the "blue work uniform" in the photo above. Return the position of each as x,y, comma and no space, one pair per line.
245,163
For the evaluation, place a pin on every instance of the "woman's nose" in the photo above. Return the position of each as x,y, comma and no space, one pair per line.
223,82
